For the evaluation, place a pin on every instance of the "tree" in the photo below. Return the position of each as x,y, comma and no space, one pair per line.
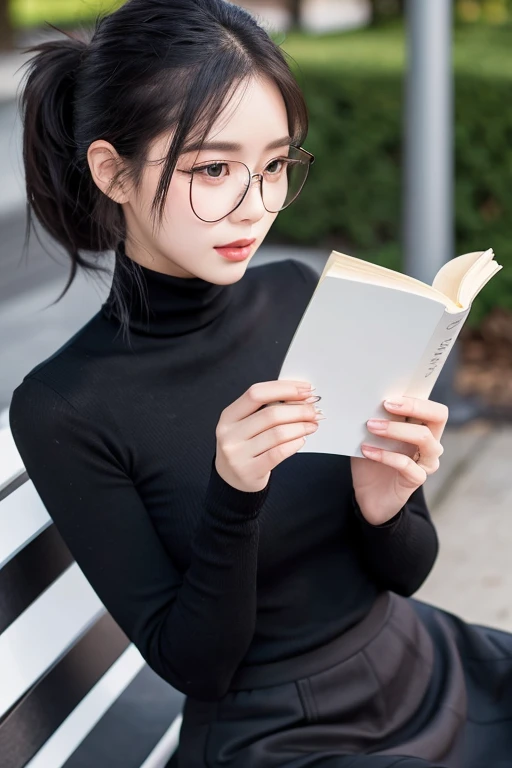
6,30
382,9
295,9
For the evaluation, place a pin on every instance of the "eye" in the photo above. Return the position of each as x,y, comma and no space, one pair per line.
215,168
275,166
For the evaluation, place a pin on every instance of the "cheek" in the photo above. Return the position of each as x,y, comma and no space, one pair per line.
180,220
271,217
177,205
179,216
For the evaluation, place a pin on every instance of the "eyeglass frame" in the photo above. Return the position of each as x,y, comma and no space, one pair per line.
311,158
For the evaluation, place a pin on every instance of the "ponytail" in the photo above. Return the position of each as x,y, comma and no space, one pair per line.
59,192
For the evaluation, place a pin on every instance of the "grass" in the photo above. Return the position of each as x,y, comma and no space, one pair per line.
478,50
33,13
363,49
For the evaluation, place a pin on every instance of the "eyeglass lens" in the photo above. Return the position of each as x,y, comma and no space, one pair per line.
218,187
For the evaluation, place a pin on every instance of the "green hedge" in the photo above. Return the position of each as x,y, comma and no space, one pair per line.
352,200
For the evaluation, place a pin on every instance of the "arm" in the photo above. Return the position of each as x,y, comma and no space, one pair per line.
192,629
400,553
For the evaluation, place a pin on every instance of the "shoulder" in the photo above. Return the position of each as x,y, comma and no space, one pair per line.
288,273
37,416
309,275
36,407
73,373
62,392
45,424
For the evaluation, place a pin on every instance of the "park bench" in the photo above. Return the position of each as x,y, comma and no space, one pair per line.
74,692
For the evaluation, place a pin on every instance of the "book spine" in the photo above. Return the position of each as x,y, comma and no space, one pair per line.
436,354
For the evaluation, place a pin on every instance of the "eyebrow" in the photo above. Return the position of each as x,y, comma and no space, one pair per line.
229,146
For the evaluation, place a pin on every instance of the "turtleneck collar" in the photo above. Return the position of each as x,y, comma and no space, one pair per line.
175,305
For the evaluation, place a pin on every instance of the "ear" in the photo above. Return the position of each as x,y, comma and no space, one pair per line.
104,162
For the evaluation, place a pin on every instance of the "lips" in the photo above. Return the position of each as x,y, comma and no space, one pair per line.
237,251
238,243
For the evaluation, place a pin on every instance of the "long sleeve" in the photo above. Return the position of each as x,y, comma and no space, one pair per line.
400,553
192,629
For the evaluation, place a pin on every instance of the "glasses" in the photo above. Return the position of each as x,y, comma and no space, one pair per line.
219,187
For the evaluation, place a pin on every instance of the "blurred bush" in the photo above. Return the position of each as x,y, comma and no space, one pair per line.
31,13
352,199
486,11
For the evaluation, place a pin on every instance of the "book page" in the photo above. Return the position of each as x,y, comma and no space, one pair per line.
344,265
456,284
358,344
350,273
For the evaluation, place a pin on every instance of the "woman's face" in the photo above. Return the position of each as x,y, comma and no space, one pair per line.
184,246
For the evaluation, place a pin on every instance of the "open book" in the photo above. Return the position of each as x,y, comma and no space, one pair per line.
369,334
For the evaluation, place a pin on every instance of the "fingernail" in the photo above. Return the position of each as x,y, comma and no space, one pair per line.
313,399
305,390
390,404
377,423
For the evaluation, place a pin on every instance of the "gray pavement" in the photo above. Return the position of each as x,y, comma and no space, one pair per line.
471,505
470,496
10,73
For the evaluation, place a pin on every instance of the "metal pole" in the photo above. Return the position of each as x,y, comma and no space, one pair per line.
428,167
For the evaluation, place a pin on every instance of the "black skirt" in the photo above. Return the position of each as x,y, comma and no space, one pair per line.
410,686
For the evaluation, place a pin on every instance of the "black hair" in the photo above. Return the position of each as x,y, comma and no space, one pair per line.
147,68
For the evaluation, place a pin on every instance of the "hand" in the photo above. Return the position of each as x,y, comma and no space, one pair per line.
384,481
259,430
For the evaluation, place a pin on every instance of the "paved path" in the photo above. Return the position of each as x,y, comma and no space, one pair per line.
12,184
473,516
471,502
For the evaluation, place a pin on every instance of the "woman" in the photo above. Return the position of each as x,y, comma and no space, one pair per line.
270,587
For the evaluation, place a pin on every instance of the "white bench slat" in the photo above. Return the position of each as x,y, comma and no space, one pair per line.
50,626
23,516
11,465
43,632
165,747
84,717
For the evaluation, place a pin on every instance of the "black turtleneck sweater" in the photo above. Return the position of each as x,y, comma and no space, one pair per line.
119,441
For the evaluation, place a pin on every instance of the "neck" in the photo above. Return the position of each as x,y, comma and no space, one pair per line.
159,304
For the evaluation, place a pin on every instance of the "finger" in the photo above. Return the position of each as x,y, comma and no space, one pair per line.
415,434
440,448
297,400
434,415
414,474
280,435
262,393
274,416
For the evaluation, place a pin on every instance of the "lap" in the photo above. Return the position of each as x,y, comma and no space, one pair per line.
464,721
374,761
486,658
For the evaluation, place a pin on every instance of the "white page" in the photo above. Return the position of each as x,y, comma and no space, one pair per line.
358,344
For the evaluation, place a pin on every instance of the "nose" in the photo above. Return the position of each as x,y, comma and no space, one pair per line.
251,208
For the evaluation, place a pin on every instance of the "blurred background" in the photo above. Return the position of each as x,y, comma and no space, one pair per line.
350,57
